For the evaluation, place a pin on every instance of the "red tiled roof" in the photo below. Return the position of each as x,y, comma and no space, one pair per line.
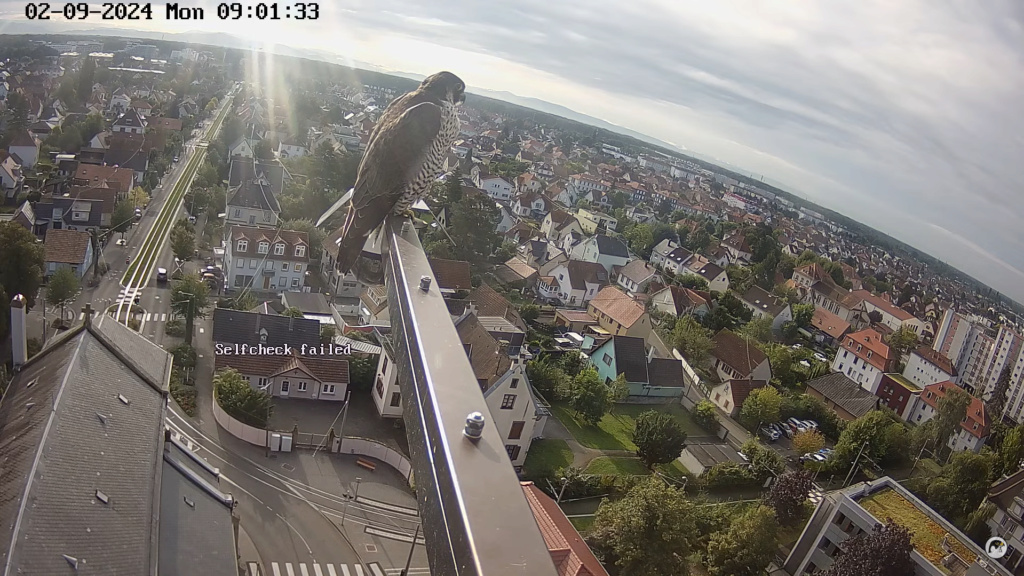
451,274
253,235
829,323
860,344
322,369
976,413
93,174
617,306
741,388
882,304
937,359
571,555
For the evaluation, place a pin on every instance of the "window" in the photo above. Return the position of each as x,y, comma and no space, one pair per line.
607,359
380,387
396,399
284,266
869,354
302,386
253,263
513,451
515,383
517,430
263,248
295,282
384,366
300,251
328,389
262,382
239,280
279,248
266,215
285,387
269,265
238,212
241,262
243,245
508,401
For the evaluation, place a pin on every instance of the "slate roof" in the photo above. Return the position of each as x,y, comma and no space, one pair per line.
66,246
611,246
131,119
615,304
581,273
710,454
308,302
638,271
65,434
844,392
25,139
133,156
708,270
737,353
1004,492
451,274
196,529
253,193
238,327
489,302
243,169
759,298
630,358
665,372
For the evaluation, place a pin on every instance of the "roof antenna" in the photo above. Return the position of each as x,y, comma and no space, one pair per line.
72,561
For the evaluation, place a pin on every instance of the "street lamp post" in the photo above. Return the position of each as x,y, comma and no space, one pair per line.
344,510
412,548
565,483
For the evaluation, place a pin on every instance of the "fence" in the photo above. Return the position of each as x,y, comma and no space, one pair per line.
349,445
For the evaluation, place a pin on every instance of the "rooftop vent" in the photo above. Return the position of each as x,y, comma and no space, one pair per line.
72,561
191,504
123,400
102,417
102,497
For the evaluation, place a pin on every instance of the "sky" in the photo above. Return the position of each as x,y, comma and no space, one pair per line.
902,115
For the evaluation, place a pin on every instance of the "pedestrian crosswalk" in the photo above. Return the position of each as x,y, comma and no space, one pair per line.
149,317
328,569
816,495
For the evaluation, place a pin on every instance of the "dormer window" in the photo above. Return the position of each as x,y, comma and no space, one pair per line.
869,354
300,251
263,247
263,335
243,246
279,249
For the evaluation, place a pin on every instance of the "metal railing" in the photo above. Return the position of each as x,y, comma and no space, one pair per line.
476,520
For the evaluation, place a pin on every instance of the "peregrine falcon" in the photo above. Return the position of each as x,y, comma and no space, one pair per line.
404,156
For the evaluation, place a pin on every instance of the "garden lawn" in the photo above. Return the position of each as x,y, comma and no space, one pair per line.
546,457
615,430
582,523
630,466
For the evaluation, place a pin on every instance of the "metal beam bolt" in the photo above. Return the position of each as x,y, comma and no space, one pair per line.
425,283
474,426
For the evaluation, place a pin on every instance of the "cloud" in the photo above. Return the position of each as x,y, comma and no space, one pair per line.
902,115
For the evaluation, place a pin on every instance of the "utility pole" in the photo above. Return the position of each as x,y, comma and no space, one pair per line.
854,467
919,454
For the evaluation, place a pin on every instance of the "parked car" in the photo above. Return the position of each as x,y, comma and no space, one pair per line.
770,434
776,428
787,431
797,346
810,424
820,357
138,213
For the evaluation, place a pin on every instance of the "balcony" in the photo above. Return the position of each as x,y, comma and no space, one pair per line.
475,518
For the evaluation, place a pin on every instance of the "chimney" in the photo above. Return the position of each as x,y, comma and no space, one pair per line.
19,337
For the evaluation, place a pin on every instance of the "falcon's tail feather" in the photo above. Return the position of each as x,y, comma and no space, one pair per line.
351,243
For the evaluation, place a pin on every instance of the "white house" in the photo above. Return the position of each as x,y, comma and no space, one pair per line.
671,256
242,147
495,186
578,281
26,148
764,305
386,394
974,428
290,150
253,203
926,366
892,316
119,102
864,357
604,250
735,358
717,279
593,222
266,259
679,301
635,276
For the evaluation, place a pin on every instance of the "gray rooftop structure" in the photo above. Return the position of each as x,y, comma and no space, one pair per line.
81,430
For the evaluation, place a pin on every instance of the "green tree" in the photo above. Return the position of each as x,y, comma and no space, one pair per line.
1011,451
189,298
961,487
658,437
362,371
803,314
648,532
692,281
882,433
183,243
997,398
760,407
122,217
292,312
788,495
62,288
245,300
764,461
547,378
327,334
735,307
692,340
759,330
590,398
706,416
747,547
572,363
640,239
473,228
21,262
951,410
85,80
885,551
901,340
242,401
529,312
976,527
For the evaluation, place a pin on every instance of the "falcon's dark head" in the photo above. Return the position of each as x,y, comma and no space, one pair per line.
446,86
